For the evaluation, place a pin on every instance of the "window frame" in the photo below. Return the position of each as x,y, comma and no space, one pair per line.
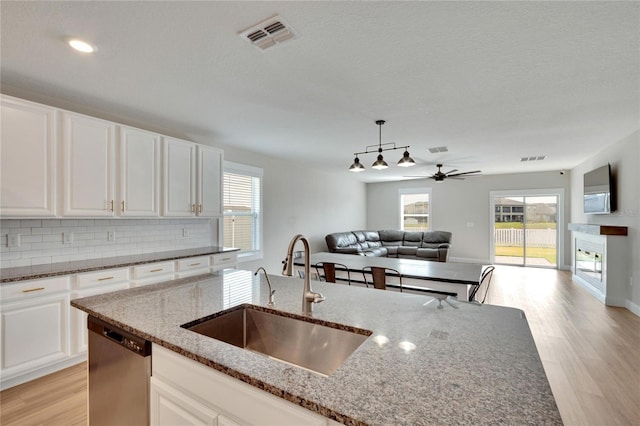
411,191
255,172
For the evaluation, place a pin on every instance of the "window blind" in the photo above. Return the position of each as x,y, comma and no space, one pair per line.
241,198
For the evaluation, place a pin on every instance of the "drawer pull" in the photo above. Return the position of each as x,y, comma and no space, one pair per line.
105,278
29,290
156,270
194,264
225,259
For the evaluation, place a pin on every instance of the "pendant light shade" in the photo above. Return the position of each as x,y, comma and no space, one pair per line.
380,164
406,160
356,166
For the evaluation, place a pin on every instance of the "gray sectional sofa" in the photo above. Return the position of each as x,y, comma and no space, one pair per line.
429,245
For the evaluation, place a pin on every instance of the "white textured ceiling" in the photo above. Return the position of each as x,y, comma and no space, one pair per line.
492,81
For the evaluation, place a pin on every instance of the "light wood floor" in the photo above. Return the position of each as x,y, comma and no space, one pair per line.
590,352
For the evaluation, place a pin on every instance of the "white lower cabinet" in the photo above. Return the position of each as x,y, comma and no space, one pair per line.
193,266
184,384
34,319
220,261
91,284
152,273
169,406
42,333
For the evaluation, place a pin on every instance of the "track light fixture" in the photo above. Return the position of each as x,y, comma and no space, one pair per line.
380,164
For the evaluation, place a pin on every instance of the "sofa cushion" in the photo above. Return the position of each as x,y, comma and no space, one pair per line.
339,240
412,239
391,238
428,253
376,251
436,237
407,251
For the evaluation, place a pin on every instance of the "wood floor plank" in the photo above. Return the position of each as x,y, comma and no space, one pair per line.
590,353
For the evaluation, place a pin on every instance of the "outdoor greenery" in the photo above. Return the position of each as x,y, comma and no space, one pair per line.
548,253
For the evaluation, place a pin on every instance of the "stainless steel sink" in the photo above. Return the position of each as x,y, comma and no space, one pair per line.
296,340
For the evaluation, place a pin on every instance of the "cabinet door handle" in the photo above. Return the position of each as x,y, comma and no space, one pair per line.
156,270
225,258
29,290
123,206
194,264
105,278
111,205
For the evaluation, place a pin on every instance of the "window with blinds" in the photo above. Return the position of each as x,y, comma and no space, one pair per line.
415,209
242,209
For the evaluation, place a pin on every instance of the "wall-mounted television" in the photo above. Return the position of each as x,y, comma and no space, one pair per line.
599,194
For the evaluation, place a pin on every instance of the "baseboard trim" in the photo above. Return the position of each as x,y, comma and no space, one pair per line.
469,260
633,307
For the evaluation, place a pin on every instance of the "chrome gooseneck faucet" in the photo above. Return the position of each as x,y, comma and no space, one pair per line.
271,292
308,296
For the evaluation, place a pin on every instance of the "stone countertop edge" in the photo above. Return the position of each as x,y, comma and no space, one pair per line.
24,273
471,363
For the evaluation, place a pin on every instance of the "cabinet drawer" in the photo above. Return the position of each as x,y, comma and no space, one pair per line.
151,270
193,263
224,260
34,288
102,278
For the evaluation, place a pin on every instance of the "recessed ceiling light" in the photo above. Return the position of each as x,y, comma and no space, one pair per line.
81,46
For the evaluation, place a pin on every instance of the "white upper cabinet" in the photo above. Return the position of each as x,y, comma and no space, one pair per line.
139,171
179,178
88,165
209,176
27,158
61,163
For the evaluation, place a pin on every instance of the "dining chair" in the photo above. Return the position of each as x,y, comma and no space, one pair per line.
328,273
379,276
482,288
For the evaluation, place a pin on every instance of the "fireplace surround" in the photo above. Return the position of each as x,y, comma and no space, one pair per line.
600,261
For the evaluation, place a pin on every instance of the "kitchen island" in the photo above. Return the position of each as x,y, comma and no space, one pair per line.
468,364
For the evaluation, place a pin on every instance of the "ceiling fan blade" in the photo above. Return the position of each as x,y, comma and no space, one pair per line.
465,173
451,171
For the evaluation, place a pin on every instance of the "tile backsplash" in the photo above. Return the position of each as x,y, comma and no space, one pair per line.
43,241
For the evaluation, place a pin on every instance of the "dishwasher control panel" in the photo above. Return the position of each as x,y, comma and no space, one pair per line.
121,337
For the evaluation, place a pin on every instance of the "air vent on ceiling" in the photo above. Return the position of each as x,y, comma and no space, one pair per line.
535,158
438,149
268,33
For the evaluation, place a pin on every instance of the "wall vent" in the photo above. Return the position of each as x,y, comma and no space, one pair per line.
438,149
268,33
534,158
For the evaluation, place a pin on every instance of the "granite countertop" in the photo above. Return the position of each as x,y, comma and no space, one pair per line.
472,364
23,273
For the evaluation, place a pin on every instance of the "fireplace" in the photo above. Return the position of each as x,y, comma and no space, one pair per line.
588,262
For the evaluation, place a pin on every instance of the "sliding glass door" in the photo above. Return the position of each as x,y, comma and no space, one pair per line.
525,229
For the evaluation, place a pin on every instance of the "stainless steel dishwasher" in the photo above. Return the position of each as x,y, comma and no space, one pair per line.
119,371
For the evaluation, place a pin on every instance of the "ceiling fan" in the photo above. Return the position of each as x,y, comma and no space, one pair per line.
439,176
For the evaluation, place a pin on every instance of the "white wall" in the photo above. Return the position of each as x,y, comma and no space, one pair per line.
624,157
297,200
462,207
